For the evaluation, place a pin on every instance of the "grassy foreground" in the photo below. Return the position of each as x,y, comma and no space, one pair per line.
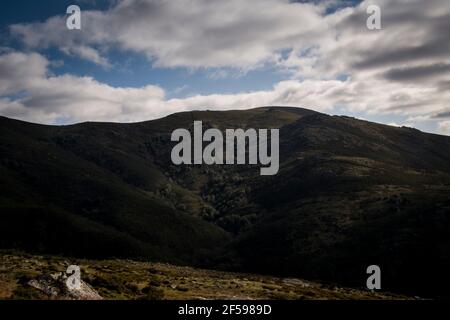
126,279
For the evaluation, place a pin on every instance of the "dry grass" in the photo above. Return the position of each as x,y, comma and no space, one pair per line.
126,279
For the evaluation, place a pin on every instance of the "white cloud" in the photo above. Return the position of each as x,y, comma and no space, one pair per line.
444,127
50,99
191,33
18,71
402,69
46,99
87,53
247,34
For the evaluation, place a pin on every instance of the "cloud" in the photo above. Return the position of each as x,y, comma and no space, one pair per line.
247,34
48,99
413,74
188,33
87,53
440,115
402,69
31,93
444,127
18,71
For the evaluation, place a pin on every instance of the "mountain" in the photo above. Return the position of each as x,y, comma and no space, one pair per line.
349,194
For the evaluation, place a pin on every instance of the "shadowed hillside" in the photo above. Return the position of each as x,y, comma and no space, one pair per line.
349,194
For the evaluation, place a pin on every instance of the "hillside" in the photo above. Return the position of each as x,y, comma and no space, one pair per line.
349,194
126,279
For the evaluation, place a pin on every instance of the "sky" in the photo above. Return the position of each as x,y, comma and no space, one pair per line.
137,60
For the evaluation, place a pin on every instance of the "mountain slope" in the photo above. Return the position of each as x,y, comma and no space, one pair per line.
88,198
349,194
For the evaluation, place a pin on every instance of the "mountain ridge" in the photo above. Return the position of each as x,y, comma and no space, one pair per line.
200,111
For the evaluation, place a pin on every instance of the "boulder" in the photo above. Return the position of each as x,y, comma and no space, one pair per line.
55,286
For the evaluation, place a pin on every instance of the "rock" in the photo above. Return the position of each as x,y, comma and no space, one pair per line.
296,282
55,287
